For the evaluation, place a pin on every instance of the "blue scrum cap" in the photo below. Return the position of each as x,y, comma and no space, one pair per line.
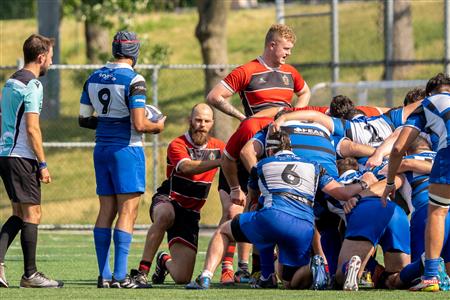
126,44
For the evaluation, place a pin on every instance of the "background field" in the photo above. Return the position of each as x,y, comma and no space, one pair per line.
70,256
71,198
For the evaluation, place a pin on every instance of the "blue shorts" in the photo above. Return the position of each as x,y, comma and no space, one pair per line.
268,227
119,170
440,173
418,224
369,220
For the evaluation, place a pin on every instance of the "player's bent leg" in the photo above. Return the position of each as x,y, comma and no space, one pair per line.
181,264
361,248
296,278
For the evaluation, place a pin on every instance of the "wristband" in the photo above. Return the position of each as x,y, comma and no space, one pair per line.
235,188
364,185
42,165
390,183
357,196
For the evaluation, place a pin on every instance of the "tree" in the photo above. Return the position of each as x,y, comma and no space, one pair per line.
211,34
403,37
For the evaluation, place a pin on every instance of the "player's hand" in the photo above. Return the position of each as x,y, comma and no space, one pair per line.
237,196
350,204
388,190
276,125
160,124
369,178
44,176
374,161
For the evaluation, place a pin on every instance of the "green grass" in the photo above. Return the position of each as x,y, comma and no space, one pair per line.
70,256
361,39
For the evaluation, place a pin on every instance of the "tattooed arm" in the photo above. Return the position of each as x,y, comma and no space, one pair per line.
219,97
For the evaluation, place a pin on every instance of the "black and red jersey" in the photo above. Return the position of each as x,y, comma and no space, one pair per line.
190,191
262,87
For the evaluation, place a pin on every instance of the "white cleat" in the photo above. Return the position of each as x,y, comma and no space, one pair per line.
351,278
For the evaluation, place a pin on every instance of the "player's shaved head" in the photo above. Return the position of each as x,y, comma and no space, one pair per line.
201,107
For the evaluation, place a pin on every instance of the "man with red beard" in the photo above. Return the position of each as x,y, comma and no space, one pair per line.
192,162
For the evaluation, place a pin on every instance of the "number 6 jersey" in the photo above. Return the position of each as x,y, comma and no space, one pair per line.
112,92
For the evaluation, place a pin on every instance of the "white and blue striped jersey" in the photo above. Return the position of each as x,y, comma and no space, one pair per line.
285,177
433,117
113,91
21,94
415,188
308,140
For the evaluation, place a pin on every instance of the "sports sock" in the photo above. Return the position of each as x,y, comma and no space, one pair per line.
256,263
8,233
28,241
411,272
144,266
266,258
102,240
431,268
206,273
122,242
227,262
243,265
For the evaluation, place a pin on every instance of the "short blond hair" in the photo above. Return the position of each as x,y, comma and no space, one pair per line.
280,31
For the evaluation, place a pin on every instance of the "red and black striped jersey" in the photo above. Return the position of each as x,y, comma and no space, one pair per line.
190,191
260,86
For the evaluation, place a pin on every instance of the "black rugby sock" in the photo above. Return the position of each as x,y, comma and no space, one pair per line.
28,240
8,233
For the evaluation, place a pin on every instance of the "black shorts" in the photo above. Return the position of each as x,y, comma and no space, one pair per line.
21,179
185,227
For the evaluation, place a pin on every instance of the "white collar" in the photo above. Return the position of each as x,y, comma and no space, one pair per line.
113,65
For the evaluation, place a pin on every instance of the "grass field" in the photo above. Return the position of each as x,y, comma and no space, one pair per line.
70,256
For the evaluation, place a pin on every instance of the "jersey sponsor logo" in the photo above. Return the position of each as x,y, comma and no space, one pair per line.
107,76
37,84
309,131
285,79
261,80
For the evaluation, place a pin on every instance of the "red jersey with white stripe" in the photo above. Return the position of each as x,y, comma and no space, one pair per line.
190,191
369,111
261,86
247,129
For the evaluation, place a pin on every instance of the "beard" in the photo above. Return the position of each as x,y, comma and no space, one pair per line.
198,137
43,71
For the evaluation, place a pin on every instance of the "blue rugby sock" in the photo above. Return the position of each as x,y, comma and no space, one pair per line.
122,242
266,259
431,267
102,239
411,272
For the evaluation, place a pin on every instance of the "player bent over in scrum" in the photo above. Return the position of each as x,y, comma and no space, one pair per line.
286,219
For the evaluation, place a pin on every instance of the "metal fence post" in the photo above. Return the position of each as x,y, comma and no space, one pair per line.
155,145
279,7
334,43
388,46
447,36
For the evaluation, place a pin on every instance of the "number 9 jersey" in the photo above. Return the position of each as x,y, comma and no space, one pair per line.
112,92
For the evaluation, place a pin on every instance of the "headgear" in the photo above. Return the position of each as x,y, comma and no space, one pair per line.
125,44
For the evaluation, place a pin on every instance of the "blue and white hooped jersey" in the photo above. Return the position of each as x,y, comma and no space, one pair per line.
433,116
415,188
284,177
364,130
113,91
21,94
308,140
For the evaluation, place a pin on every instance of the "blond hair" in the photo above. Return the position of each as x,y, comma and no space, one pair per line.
277,31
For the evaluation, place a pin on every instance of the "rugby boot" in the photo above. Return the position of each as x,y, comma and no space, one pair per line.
269,283
103,283
3,282
444,279
160,270
426,285
227,277
351,275
365,282
39,280
128,283
320,277
200,283
242,276
254,277
139,276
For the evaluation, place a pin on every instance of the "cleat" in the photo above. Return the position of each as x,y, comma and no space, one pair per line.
103,283
227,277
351,275
200,283
426,285
365,282
160,271
128,283
39,280
320,277
242,276
270,283
3,282
254,277
139,276
444,279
